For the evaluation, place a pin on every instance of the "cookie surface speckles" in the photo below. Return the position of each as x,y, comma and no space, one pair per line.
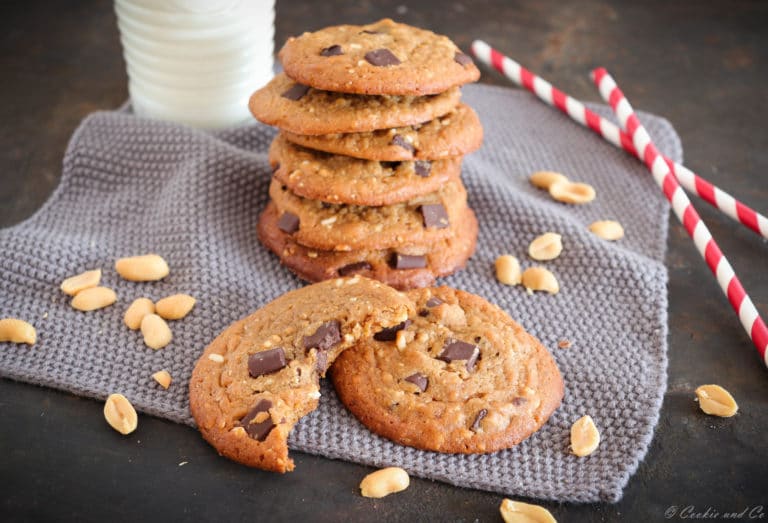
246,395
326,112
341,179
341,227
469,380
442,258
380,58
454,134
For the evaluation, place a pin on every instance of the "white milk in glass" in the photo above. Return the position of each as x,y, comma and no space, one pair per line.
196,62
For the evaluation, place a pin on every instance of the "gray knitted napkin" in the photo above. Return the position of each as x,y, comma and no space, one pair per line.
132,185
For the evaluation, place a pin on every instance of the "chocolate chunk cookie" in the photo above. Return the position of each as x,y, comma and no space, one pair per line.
440,259
261,375
302,110
460,376
423,220
380,58
341,179
454,134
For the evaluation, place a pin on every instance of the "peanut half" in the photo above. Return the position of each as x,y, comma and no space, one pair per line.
544,179
120,414
93,298
163,377
519,512
540,279
715,400
17,331
607,230
584,436
84,280
384,482
508,270
156,332
572,192
136,312
148,267
548,246
175,307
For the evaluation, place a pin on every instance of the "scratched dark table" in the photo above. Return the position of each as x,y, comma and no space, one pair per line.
702,65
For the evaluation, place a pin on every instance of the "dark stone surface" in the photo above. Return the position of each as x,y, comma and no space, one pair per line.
700,64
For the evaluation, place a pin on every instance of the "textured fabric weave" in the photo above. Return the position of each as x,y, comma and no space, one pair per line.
131,186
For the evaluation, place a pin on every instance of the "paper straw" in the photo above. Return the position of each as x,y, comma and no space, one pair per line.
685,212
608,130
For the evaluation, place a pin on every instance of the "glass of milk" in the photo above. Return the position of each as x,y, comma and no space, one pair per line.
196,62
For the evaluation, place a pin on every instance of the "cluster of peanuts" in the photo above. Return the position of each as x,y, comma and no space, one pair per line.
549,245
143,314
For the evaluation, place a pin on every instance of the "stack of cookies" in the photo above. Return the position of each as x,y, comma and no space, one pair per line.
367,163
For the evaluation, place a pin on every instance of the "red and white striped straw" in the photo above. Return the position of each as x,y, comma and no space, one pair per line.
611,132
685,212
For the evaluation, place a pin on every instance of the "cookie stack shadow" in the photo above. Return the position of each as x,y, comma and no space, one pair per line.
367,164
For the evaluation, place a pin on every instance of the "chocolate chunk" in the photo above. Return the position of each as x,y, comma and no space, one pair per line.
296,92
476,424
390,333
422,168
423,313
419,380
381,58
326,336
462,59
454,350
258,431
434,301
288,223
266,362
354,267
404,261
402,142
334,50
519,401
434,215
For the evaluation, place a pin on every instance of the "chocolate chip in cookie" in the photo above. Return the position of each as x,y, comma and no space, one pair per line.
462,59
258,423
334,50
381,58
402,142
266,362
418,379
390,333
405,261
288,222
435,216
457,350
422,168
353,268
326,336
476,424
296,92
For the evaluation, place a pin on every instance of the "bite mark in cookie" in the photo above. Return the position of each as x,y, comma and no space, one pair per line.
261,375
